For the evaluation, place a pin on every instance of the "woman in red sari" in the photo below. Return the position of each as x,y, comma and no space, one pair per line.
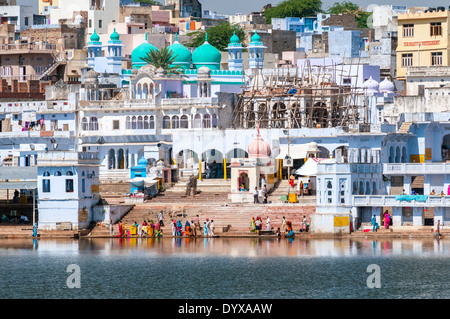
120,229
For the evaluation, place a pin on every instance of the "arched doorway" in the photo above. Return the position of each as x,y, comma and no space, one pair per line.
214,163
111,159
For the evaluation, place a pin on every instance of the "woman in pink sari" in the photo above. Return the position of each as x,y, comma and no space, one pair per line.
387,220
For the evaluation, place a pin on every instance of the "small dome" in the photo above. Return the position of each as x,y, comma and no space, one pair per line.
114,36
143,161
95,37
386,86
182,54
141,52
371,85
256,39
258,148
234,40
207,55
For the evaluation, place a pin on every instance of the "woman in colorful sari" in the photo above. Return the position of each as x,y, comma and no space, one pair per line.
387,220
179,228
120,229
290,230
187,228
252,225
150,228
205,229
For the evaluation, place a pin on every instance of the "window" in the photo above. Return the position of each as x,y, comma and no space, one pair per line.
146,123
184,122
83,185
408,30
26,21
407,60
207,121
175,122
100,23
329,192
435,29
133,123
90,23
436,58
46,185
65,127
128,123
152,122
58,173
69,185
140,124
214,120
116,125
166,122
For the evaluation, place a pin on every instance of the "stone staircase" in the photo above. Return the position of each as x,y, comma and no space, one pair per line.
21,231
208,190
282,189
229,219
404,128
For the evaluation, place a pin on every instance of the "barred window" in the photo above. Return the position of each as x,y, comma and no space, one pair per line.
436,58
435,29
408,30
407,59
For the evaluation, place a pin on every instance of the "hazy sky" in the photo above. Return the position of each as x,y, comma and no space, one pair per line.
247,6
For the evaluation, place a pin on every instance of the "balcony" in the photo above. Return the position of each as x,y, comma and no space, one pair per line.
24,48
395,201
198,102
416,168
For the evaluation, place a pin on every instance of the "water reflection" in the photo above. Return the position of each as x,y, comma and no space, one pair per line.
234,247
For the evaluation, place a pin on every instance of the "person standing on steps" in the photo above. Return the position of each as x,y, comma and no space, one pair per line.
161,219
268,223
211,228
255,196
283,225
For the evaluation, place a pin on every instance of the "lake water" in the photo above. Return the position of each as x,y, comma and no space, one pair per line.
221,268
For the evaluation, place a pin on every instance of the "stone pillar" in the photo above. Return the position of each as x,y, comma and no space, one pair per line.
22,161
107,161
396,216
417,216
407,184
129,160
136,159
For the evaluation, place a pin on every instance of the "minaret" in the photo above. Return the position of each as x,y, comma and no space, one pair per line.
114,58
94,49
234,54
256,52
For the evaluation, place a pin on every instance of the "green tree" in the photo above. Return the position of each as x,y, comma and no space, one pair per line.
293,8
163,59
347,7
218,36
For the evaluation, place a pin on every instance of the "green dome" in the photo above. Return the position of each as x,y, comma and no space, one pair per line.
182,54
140,52
207,55
114,36
256,38
234,39
95,37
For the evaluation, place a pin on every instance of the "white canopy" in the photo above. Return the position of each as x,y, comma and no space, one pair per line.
310,166
298,151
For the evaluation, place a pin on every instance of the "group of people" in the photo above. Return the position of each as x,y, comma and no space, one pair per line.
146,229
257,224
195,230
286,226
260,195
386,218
